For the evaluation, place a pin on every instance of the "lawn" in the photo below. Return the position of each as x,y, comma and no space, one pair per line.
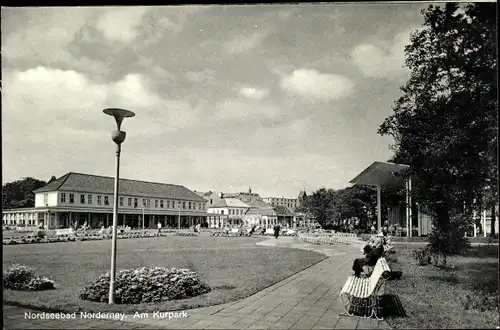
233,267
433,297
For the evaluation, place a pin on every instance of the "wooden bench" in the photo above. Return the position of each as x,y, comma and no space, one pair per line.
361,295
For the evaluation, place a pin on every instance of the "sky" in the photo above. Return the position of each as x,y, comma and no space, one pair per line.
278,98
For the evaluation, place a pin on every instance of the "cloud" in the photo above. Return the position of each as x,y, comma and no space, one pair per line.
313,84
46,38
241,44
121,24
233,109
253,93
382,60
207,76
47,100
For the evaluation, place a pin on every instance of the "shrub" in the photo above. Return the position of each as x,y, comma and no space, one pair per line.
450,241
21,277
422,255
147,285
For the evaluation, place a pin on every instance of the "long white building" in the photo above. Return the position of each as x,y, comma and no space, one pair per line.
80,198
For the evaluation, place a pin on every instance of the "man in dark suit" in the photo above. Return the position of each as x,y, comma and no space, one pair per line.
277,231
373,251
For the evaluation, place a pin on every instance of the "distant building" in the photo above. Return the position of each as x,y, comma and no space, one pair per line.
226,211
80,198
291,203
260,213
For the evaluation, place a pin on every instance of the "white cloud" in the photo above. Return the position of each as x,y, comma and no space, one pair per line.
46,99
382,60
313,84
46,37
234,109
241,44
207,76
120,24
253,93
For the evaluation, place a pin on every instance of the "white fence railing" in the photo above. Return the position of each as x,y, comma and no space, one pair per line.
337,238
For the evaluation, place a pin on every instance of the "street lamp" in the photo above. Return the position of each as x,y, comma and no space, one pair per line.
179,220
118,137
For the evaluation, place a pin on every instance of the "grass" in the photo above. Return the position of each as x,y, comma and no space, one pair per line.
433,297
233,267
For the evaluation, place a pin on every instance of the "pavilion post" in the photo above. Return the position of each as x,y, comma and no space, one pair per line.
484,223
379,207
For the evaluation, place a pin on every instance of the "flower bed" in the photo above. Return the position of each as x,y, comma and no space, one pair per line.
147,285
23,278
182,233
84,236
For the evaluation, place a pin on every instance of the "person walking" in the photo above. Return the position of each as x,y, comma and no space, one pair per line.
277,231
159,228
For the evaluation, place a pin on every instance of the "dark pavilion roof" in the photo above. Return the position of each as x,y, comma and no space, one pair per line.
79,182
383,174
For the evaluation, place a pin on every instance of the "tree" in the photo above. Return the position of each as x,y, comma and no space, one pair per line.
20,194
444,125
321,205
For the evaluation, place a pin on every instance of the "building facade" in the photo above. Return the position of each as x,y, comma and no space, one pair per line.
76,198
226,212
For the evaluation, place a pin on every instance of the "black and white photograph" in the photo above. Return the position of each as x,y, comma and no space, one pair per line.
329,165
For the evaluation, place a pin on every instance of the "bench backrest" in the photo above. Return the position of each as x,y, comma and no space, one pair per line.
380,272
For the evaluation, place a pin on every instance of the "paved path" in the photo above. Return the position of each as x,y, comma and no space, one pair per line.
306,300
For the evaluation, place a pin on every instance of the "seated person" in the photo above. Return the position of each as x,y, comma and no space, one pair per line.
373,251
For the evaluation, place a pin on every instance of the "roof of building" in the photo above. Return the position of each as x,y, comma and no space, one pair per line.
235,202
228,202
79,182
261,211
283,211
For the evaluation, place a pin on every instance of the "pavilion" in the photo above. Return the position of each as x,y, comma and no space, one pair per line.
385,174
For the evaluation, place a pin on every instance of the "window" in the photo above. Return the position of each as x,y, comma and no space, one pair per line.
71,198
183,205
45,199
89,199
82,199
189,205
221,211
106,200
121,201
63,197
168,204
144,202
210,202
156,203
135,202
129,202
99,200
161,203
148,202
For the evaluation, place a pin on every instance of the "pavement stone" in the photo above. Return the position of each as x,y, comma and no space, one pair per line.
306,300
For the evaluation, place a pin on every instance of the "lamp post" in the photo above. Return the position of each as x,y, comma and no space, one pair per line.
143,221
179,220
118,137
